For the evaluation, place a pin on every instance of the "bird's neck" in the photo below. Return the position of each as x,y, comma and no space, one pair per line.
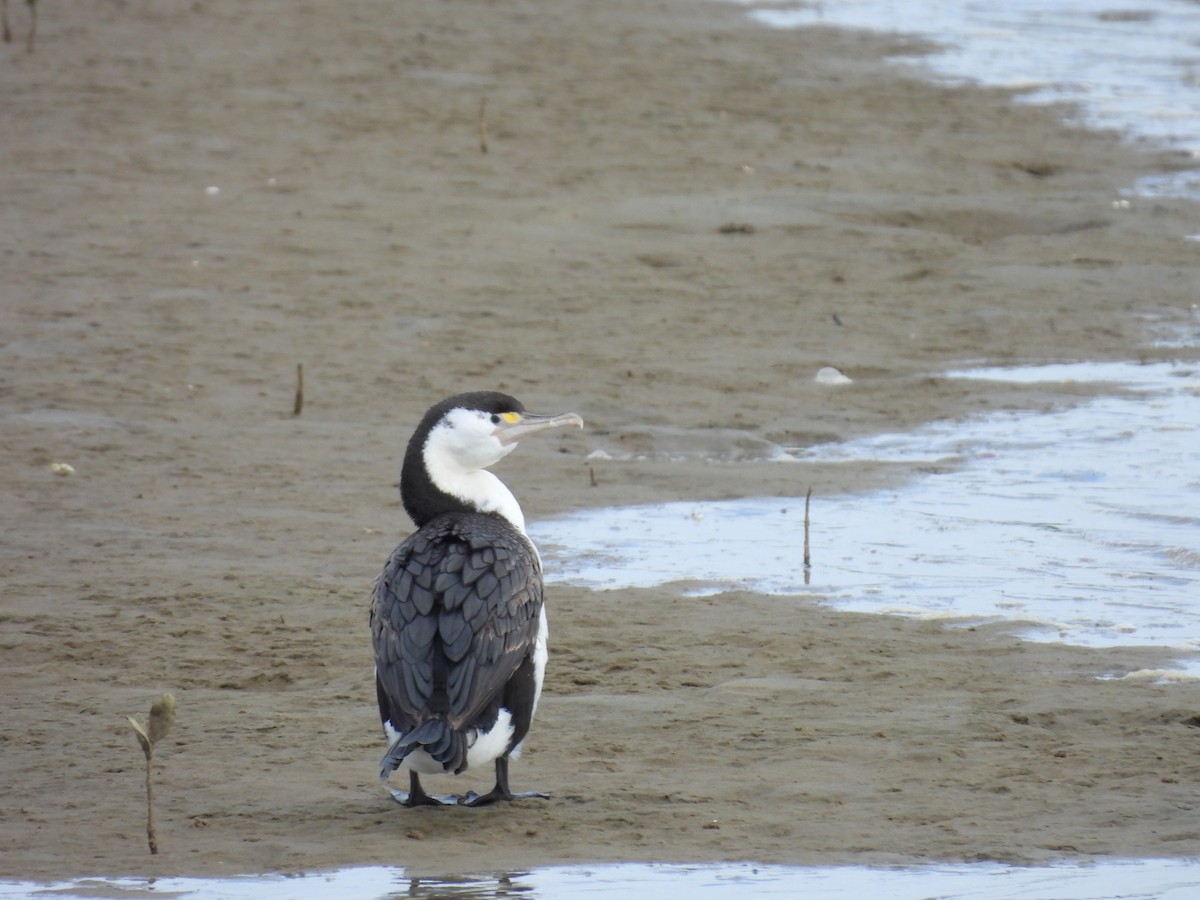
440,486
482,491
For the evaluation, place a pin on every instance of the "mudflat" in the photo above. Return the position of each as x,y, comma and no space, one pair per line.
658,215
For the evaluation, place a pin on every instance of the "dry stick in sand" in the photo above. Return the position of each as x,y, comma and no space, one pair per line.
299,405
162,719
483,137
32,4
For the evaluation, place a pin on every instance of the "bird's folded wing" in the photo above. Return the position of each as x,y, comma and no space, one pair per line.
454,613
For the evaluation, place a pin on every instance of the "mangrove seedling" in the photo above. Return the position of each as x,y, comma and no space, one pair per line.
159,724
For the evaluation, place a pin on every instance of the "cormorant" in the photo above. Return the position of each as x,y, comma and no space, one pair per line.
457,617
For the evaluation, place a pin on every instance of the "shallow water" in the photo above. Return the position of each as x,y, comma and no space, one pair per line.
1131,880
1084,521
1133,67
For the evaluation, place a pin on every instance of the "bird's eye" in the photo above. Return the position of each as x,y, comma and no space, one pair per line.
495,419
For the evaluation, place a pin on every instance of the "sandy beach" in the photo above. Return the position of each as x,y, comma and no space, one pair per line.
656,214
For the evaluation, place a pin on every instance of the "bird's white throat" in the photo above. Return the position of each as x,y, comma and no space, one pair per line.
466,480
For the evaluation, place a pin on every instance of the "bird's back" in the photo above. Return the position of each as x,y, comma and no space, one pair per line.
455,615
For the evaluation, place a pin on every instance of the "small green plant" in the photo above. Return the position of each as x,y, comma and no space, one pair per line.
157,727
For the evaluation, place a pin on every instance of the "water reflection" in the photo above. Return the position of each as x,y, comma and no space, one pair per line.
495,887
1129,879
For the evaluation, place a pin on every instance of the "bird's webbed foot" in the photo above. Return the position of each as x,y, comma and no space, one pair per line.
416,796
500,793
470,798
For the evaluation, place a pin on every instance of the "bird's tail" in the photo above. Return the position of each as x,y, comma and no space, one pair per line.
437,738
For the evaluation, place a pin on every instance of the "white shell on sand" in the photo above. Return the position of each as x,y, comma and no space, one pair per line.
830,375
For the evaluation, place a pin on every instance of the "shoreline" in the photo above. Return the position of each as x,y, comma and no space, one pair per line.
680,217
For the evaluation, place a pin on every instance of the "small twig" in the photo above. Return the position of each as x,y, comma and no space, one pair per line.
483,129
30,35
592,476
807,557
299,405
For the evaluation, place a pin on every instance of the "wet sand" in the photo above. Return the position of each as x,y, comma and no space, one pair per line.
679,217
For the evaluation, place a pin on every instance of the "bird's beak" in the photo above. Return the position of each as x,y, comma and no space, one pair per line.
521,425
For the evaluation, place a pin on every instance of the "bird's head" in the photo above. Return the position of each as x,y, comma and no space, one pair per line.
455,441
477,430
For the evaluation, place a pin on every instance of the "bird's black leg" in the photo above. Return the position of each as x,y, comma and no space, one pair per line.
500,791
416,795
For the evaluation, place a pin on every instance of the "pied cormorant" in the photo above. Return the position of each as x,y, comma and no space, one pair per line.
457,618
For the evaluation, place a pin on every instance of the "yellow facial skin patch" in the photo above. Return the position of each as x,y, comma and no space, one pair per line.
511,418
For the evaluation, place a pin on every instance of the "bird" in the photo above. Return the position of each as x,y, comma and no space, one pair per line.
458,621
